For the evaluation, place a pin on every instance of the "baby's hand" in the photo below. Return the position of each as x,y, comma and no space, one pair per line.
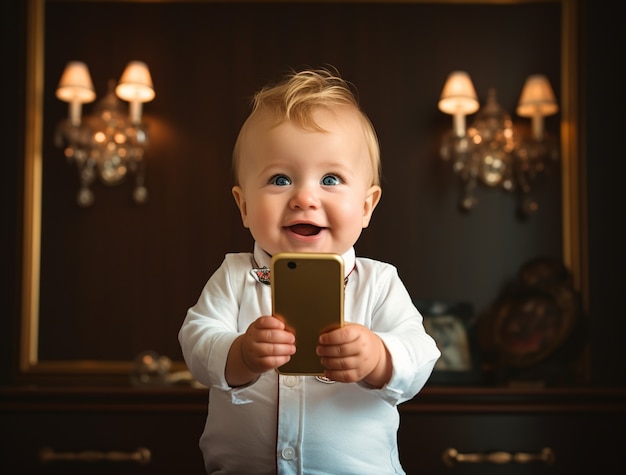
354,353
267,344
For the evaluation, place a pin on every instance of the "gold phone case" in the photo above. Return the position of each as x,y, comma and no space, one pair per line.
308,292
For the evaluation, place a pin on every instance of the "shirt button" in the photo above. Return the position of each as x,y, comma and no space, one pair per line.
288,453
291,381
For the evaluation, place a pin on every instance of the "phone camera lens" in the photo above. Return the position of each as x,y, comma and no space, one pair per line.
291,265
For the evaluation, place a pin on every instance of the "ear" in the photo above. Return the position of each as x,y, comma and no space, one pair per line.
241,204
371,200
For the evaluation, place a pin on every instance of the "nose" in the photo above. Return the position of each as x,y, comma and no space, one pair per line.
305,197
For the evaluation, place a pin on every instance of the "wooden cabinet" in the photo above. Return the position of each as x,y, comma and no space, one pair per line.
502,431
97,431
584,429
156,431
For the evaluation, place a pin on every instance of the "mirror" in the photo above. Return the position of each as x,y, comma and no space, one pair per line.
104,283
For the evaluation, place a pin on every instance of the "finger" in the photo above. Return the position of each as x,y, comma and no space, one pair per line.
280,318
344,364
269,321
276,349
339,351
341,335
280,337
270,362
261,357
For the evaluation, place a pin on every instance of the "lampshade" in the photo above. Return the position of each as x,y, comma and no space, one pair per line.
458,95
494,151
135,83
110,144
537,98
75,84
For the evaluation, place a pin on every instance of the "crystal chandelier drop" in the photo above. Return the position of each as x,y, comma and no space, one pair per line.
108,144
492,151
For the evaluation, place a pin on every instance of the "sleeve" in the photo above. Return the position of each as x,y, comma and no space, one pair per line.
211,326
400,325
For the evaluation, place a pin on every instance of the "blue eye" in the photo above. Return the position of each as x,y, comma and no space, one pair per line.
331,180
280,180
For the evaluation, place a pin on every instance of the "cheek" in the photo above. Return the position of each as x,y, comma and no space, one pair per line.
350,211
261,211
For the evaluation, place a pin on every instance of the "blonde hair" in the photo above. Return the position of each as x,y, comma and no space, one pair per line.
296,97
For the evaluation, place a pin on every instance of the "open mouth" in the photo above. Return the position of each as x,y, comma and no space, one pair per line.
305,229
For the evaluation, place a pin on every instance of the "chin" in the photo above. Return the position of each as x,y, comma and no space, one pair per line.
301,246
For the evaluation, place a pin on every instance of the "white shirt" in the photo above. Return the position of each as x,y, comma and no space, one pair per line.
299,424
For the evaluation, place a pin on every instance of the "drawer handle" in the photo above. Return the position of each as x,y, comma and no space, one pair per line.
453,456
140,456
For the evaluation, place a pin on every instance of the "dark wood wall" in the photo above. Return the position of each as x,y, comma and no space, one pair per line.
126,274
131,272
605,199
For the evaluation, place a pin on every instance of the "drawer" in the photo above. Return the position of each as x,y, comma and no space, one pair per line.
581,443
171,439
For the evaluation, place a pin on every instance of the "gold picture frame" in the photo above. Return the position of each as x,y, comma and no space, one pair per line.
31,367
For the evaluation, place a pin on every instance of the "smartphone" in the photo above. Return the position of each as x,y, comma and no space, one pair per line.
308,293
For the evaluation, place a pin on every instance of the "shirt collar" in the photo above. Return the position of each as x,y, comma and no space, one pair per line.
263,259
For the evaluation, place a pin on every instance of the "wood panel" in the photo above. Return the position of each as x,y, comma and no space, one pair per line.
584,427
116,279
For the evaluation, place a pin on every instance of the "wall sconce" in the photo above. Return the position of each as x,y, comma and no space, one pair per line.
110,143
492,151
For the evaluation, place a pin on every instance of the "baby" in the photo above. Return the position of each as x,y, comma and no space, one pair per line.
307,179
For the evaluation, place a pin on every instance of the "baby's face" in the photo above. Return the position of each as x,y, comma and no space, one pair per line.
302,190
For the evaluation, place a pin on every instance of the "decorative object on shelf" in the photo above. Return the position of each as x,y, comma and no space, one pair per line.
451,324
110,143
452,457
535,329
151,369
493,151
